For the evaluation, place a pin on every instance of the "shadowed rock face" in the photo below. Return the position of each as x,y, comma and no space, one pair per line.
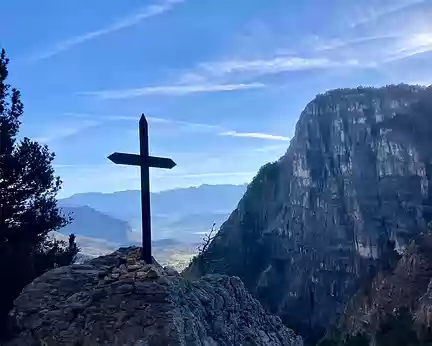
118,300
313,225
408,286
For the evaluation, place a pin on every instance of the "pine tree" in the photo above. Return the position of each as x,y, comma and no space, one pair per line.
28,205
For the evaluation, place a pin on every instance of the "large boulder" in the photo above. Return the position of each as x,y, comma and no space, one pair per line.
119,300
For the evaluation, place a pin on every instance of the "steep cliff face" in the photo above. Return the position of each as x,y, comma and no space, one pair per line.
118,300
312,226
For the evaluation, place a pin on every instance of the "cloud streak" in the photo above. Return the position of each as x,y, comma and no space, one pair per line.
257,135
377,50
156,120
126,22
273,65
411,45
172,90
225,70
338,43
61,131
219,130
348,51
375,14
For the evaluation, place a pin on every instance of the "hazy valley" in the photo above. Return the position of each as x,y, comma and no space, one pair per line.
103,222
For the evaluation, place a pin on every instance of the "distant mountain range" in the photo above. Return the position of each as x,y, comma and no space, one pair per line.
192,200
180,214
94,224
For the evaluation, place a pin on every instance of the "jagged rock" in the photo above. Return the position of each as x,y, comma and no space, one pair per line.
423,314
171,271
73,306
312,224
406,287
151,274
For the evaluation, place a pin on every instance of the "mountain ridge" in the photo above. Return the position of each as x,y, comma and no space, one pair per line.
313,223
87,221
180,213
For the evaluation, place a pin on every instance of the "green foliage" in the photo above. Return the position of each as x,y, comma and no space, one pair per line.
397,330
55,253
259,187
28,205
357,340
268,172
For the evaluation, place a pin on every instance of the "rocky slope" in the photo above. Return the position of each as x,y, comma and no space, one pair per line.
407,288
117,300
313,226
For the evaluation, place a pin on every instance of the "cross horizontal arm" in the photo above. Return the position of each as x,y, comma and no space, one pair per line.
137,160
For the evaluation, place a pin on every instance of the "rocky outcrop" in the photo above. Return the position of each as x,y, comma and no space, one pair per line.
118,300
312,226
406,288
423,313
395,307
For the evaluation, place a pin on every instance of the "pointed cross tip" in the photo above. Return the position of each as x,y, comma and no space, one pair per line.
112,157
143,118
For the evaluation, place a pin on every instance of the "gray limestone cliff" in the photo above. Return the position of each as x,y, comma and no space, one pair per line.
317,224
118,300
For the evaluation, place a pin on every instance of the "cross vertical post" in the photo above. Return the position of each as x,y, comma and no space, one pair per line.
145,192
144,161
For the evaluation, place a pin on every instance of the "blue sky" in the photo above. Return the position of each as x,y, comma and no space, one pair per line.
222,82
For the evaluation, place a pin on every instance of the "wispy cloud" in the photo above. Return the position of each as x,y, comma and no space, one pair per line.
255,135
171,90
375,13
187,124
59,131
341,43
220,130
374,46
94,119
377,50
100,118
272,65
208,75
410,45
126,22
